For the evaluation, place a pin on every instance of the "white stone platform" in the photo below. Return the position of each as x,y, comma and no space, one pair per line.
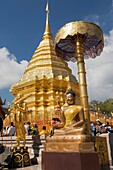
11,141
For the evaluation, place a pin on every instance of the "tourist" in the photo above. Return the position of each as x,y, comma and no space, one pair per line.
29,128
43,131
58,120
53,121
26,128
36,141
4,132
11,130
35,129
93,129
108,127
99,127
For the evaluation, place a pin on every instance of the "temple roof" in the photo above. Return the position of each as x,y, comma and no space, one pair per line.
44,61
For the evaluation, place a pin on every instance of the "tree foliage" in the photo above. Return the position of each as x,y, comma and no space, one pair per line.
105,107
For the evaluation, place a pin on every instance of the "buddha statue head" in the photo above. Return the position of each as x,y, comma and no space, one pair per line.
70,96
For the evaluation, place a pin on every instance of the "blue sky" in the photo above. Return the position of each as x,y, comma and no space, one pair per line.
22,24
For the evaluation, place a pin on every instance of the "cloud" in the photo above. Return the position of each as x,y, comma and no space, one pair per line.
92,18
100,72
10,70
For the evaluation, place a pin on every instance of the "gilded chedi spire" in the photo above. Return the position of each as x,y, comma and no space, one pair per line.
47,33
45,75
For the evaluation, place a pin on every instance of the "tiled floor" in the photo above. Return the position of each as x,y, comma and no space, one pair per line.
38,167
34,167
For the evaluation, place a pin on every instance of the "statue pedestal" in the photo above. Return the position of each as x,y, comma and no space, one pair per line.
70,161
69,143
70,153
16,157
20,157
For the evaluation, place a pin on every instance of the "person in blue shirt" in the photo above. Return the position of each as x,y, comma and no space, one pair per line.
93,129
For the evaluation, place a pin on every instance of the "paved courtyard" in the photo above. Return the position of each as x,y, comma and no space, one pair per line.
34,167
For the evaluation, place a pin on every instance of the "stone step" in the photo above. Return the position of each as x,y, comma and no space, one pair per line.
9,141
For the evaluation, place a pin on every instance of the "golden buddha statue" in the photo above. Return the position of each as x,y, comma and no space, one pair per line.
20,130
19,109
72,118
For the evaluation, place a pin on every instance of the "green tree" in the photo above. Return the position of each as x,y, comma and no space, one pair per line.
105,107
93,105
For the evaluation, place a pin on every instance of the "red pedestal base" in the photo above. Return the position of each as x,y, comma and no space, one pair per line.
70,161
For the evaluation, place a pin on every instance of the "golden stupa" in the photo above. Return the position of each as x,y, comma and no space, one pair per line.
45,79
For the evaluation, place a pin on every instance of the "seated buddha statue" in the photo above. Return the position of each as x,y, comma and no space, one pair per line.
72,118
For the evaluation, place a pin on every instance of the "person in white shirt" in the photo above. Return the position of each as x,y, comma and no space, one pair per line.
11,130
26,128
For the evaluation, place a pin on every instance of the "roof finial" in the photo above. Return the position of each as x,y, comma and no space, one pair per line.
47,7
47,27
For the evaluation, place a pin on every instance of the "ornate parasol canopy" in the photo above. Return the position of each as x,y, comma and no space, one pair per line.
92,36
